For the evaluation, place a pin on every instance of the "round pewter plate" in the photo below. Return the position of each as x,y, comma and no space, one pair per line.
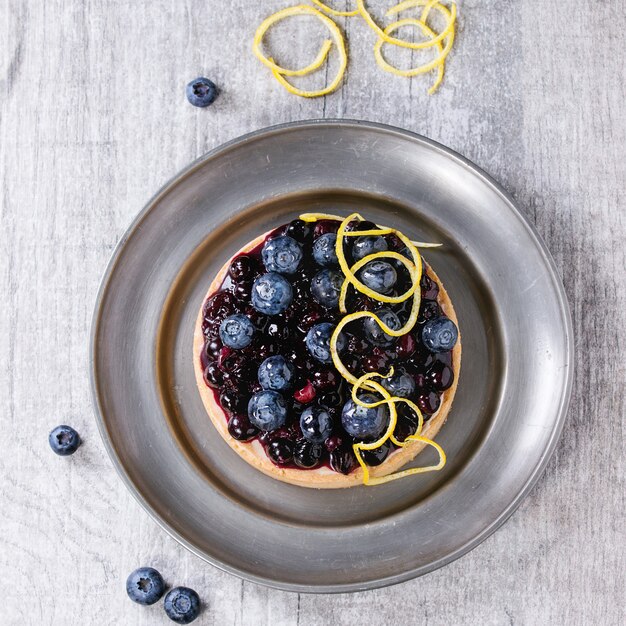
509,408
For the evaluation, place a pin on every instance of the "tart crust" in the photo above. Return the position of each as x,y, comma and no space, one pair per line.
321,477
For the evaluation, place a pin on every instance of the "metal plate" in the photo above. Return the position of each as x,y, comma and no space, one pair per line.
507,415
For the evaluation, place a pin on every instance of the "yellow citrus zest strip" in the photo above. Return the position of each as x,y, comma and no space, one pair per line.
363,233
358,285
366,381
438,62
332,11
257,43
374,294
280,72
362,383
407,44
321,57
314,217
407,472
421,244
401,331
393,417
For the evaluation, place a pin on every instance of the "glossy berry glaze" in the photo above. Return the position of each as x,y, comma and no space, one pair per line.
233,375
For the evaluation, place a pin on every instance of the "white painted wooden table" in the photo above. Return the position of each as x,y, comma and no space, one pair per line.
93,120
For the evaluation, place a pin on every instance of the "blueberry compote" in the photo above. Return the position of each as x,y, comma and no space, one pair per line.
305,395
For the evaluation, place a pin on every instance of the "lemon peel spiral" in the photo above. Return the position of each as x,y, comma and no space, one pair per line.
280,72
439,62
367,382
367,16
415,71
349,273
388,434
370,292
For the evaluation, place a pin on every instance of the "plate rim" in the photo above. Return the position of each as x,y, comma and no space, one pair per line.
266,132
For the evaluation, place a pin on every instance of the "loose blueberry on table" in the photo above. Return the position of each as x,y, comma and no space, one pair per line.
64,440
201,92
145,586
182,605
267,346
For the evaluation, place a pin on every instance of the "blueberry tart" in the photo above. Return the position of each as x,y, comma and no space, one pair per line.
327,353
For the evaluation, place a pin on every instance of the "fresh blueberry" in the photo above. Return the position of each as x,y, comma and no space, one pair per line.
307,454
326,287
145,586
324,250
316,424
182,605
318,342
276,373
282,254
64,440
271,294
364,422
375,333
400,384
267,410
440,334
236,331
201,92
379,276
366,245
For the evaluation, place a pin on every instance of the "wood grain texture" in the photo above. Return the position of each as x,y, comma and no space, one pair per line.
93,120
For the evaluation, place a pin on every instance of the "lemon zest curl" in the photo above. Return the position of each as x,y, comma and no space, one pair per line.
367,382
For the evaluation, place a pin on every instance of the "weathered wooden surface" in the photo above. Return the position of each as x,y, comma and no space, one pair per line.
93,120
